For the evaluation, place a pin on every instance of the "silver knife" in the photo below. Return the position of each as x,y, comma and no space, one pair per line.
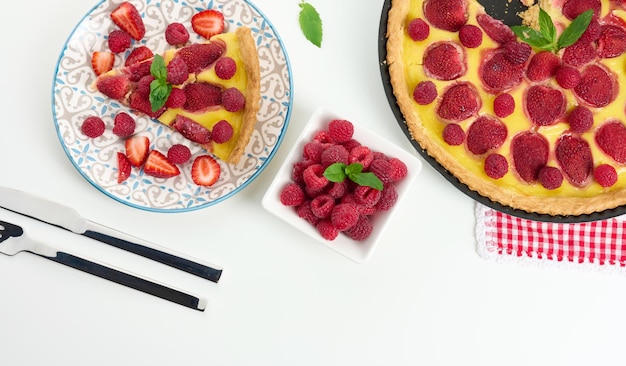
56,214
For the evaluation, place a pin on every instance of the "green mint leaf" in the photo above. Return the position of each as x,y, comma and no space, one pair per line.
354,169
158,68
576,28
546,26
160,90
310,23
368,179
533,37
335,172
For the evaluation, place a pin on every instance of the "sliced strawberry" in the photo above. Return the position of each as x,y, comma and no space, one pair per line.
115,86
102,61
123,167
205,170
139,54
127,17
158,166
208,23
137,148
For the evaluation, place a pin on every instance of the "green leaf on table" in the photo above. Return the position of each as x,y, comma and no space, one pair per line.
311,23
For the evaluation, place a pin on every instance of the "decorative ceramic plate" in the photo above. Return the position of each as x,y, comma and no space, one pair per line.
74,98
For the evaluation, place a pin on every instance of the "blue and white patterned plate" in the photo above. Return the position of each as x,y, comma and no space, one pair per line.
74,98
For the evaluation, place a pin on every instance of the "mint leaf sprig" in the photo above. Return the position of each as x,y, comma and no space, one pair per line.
338,172
546,39
160,89
310,23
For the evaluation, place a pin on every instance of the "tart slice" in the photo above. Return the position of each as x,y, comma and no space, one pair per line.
193,88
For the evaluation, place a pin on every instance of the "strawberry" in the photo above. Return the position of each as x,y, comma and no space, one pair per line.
611,138
114,87
448,15
137,148
459,102
485,134
498,74
530,152
544,105
495,29
208,23
597,86
444,61
191,129
575,158
102,62
158,166
139,54
199,56
205,170
123,167
127,17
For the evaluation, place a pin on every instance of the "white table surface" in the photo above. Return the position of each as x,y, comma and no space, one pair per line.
424,298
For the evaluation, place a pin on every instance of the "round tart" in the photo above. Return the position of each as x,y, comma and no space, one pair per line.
533,125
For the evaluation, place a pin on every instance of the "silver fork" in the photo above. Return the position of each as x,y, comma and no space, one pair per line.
13,240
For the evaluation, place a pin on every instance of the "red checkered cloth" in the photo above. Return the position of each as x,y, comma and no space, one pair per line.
601,244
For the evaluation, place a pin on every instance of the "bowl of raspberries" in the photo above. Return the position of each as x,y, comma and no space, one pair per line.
340,184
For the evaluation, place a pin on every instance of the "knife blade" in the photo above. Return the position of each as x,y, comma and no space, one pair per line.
67,218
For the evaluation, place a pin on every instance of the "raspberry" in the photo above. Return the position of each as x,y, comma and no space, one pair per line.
550,177
418,29
93,127
453,134
503,105
304,211
485,134
298,171
573,8
459,102
312,151
496,166
176,34
611,138
323,137
137,71
605,175
448,15
123,125
222,132
119,41
338,189
542,65
176,99
596,87
143,86
292,195
366,196
344,216
388,198
361,230
567,77
544,104
314,178
178,154
575,158
233,100
425,92
517,52
351,144
200,96
579,53
382,169
334,154
177,71
362,155
495,29
327,230
470,36
340,130
444,61
322,205
580,119
225,68
612,41
399,169
529,152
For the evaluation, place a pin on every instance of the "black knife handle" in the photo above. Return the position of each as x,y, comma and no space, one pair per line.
189,266
128,280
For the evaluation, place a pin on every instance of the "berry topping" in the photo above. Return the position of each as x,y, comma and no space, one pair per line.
418,29
123,125
495,29
550,177
158,166
448,15
327,230
485,134
612,41
496,166
225,68
191,129
361,230
137,55
503,105
578,54
119,41
334,154
596,87
605,175
425,92
322,205
542,65
199,56
567,77
127,17
459,102
544,104
200,96
137,148
176,34
123,167
611,139
177,98
340,130
344,216
470,36
573,8
580,119
205,170
292,195
177,71
178,154
102,62
574,157
517,52
208,23
444,61
222,132
498,74
233,100
530,154
453,134
93,127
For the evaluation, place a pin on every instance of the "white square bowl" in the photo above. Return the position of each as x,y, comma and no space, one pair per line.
358,251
